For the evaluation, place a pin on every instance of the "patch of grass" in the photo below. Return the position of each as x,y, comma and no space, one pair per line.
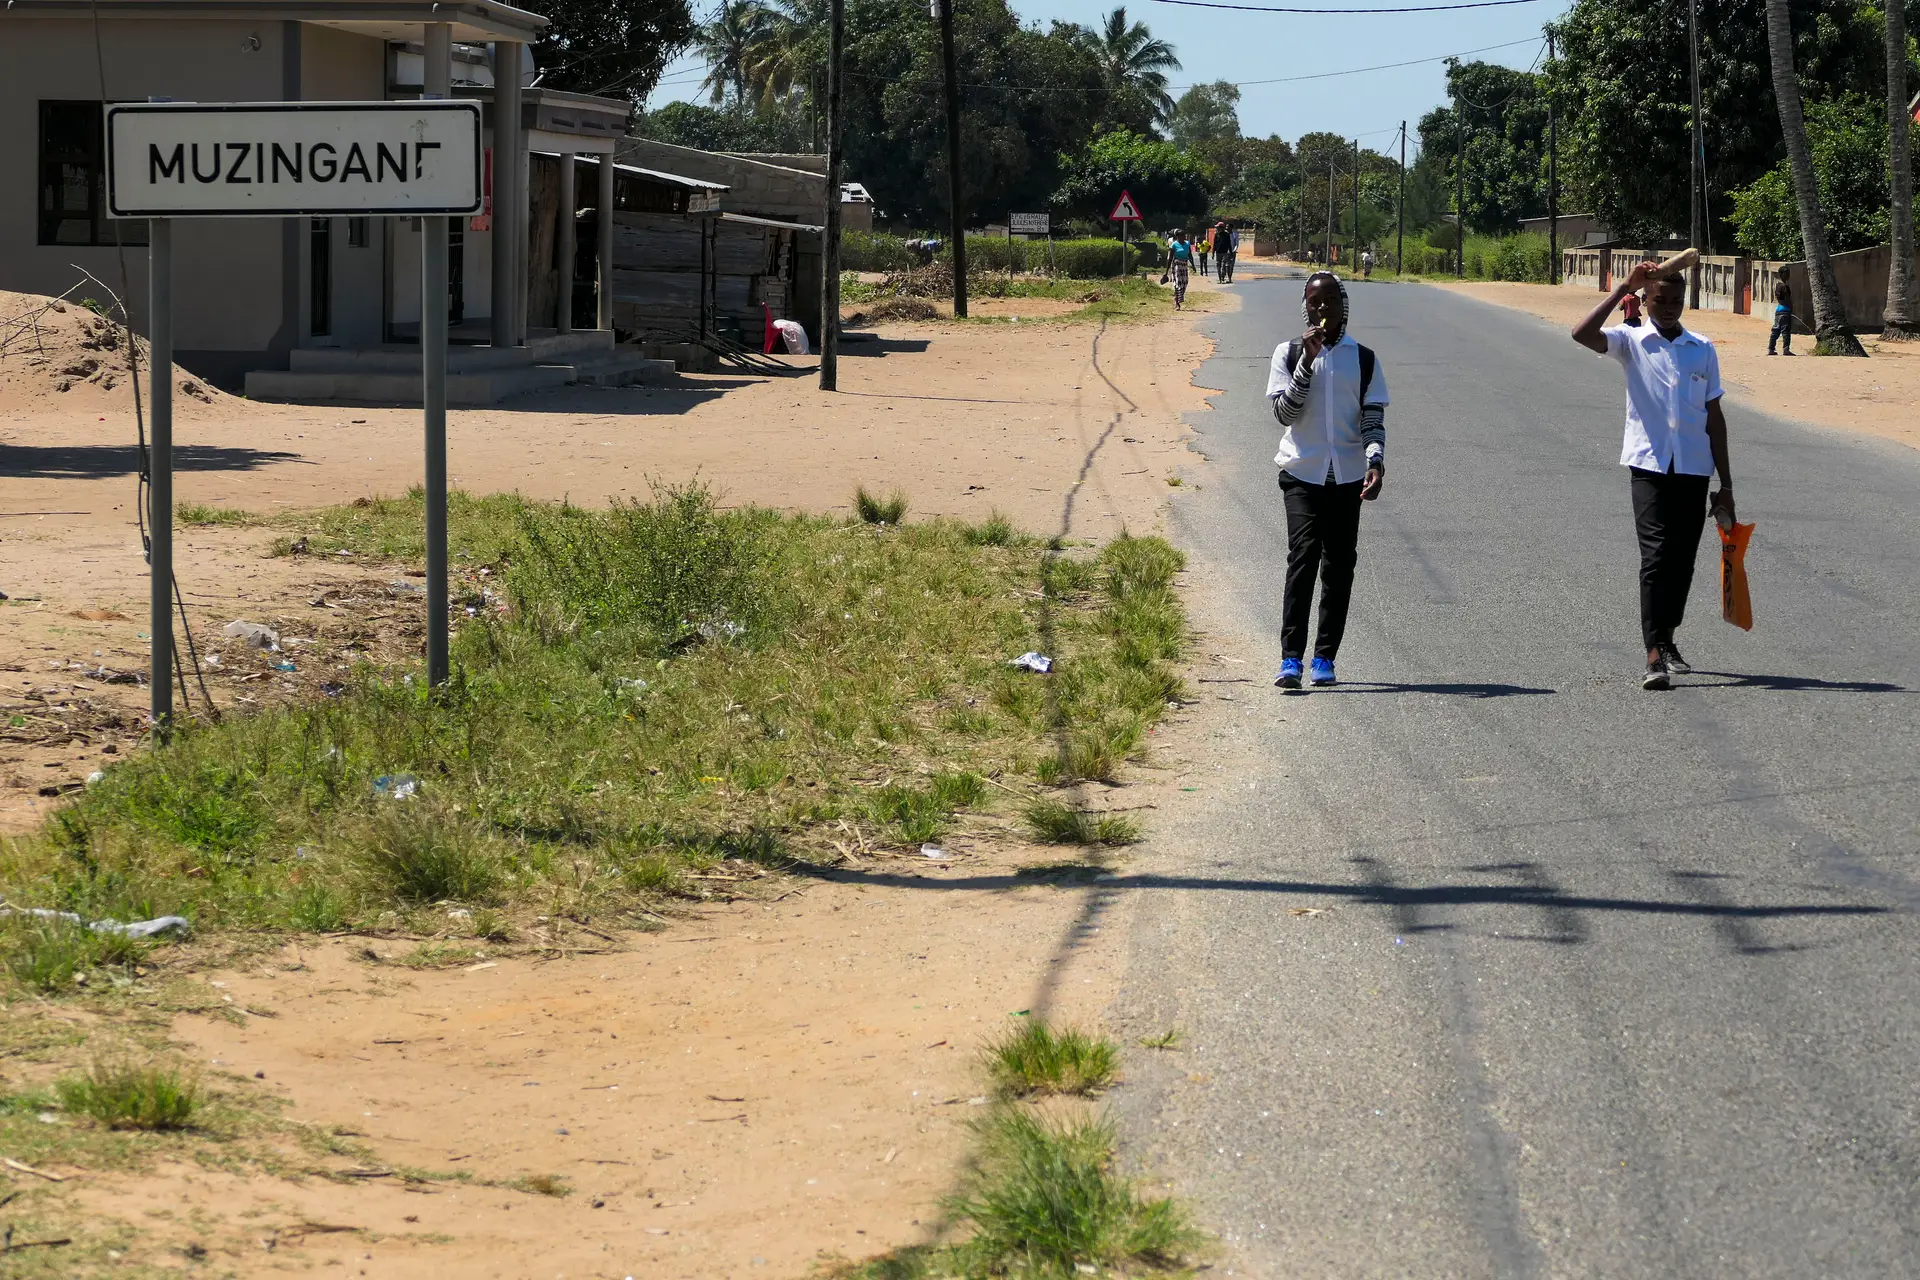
875,510
437,955
670,688
1046,1200
542,1184
1168,1039
125,1095
1033,1058
53,955
995,531
196,513
1058,823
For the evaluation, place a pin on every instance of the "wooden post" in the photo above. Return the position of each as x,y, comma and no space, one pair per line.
566,250
830,251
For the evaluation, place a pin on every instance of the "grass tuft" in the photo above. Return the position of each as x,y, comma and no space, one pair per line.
123,1095
995,531
1058,823
873,510
1046,1200
543,1184
1168,1039
1033,1058
51,955
196,513
419,854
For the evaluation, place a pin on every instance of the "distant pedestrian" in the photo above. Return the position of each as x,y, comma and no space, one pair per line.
1179,264
1201,250
1223,255
1782,315
1331,397
1366,264
1676,437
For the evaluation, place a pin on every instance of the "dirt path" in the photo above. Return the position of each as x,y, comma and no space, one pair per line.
754,1088
1874,397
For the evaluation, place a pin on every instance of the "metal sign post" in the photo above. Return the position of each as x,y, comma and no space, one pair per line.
297,160
1126,213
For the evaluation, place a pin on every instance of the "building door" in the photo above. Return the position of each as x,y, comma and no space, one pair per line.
320,278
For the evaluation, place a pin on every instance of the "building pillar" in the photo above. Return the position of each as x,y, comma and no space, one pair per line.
605,256
508,200
563,237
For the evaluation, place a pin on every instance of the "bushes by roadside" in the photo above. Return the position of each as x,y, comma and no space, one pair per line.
1092,258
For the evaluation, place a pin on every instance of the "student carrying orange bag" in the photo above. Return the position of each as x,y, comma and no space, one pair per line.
1736,605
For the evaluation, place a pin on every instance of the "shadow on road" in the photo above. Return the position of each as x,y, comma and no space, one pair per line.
1464,689
1731,680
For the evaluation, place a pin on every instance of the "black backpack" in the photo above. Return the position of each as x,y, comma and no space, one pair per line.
1366,366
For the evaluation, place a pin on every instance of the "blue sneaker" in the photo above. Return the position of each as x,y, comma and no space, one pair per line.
1323,671
1289,677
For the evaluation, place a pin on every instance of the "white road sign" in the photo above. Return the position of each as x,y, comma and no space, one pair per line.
1030,224
283,159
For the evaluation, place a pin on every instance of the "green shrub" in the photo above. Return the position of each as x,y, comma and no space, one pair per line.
121,1095
419,853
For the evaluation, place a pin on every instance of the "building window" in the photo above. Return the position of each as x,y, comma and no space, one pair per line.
320,278
73,179
359,233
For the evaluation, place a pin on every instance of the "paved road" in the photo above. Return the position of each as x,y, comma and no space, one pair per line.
1607,983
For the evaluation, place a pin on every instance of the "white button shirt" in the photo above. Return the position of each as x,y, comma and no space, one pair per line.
1328,430
1669,386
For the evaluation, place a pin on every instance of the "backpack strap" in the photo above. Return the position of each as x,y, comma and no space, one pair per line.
1366,370
1292,358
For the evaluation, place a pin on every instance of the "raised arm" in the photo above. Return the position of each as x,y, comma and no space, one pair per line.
1587,332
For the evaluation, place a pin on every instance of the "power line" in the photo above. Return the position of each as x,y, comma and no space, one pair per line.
1424,8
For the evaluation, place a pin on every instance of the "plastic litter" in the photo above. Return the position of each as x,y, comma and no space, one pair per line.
136,929
94,777
792,336
1031,661
396,786
284,666
932,851
255,635
333,688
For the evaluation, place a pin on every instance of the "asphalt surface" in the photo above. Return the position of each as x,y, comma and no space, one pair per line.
1602,982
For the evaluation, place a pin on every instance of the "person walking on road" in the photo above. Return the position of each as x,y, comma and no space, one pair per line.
1179,264
1676,437
1366,264
1200,251
1782,315
1331,397
1223,252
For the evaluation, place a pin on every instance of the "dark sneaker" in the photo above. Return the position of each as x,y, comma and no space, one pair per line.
1290,671
1675,663
1323,671
1656,677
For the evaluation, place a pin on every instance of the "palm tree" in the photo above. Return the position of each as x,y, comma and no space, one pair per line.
1830,332
1132,62
1901,310
728,44
792,54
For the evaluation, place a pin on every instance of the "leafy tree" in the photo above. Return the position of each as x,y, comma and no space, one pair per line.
791,56
610,47
737,127
1133,68
1847,139
1206,113
730,44
1901,315
1621,78
1501,115
1167,183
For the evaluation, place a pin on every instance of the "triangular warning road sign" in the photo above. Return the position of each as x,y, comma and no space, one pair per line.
1124,209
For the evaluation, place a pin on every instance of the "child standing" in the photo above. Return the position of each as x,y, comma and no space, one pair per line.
1782,315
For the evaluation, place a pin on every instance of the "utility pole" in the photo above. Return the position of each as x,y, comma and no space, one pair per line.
1553,174
1356,204
830,256
1696,189
1400,236
1459,191
1300,212
953,159
1330,176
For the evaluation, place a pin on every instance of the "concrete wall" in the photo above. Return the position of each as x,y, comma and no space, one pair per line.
1583,268
1724,283
240,291
755,187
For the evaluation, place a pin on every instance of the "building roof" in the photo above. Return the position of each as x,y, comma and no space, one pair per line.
472,20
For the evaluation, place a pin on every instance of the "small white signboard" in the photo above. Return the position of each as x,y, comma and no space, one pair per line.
1030,224
292,159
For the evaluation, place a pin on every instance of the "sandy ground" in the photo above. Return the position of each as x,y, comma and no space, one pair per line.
752,1089
1069,428
1875,396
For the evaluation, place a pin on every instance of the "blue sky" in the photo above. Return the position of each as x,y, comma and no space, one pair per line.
1243,47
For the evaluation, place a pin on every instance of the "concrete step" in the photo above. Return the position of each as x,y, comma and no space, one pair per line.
687,357
624,370
485,387
404,358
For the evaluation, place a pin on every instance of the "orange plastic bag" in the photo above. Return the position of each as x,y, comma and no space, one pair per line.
1736,605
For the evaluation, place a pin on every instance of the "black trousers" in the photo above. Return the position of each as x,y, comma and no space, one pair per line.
1669,512
1323,537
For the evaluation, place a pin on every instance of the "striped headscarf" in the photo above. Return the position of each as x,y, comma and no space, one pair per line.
1339,326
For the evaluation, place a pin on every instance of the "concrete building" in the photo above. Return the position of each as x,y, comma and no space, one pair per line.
299,307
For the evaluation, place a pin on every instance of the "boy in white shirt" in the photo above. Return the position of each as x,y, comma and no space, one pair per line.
1330,395
1676,437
